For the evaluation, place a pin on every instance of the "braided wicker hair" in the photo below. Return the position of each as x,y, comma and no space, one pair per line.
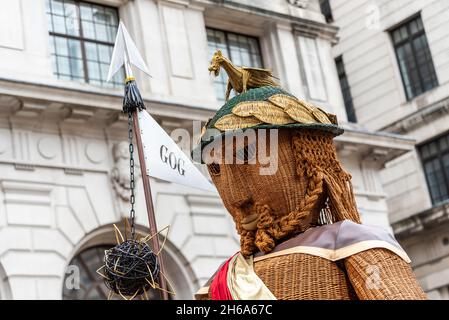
328,191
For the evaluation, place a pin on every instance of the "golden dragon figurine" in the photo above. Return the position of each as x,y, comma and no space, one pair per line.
240,79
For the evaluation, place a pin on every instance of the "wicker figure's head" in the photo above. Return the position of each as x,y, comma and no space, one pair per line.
308,186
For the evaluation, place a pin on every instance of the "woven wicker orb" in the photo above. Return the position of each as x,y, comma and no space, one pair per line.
130,268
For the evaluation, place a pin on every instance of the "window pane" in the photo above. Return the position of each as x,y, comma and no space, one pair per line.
91,51
88,29
233,42
59,24
94,70
397,36
86,12
99,16
63,65
57,7
253,45
420,24
433,149
425,151
414,27
71,18
112,30
74,49
104,68
110,16
436,182
444,143
101,32
446,172
404,32
409,70
104,53
76,67
61,46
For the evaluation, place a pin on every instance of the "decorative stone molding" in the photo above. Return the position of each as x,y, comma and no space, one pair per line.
47,147
78,115
314,29
95,152
302,26
30,109
24,166
419,118
9,104
422,222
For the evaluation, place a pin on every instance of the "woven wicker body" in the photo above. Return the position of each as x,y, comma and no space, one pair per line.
371,275
375,274
304,277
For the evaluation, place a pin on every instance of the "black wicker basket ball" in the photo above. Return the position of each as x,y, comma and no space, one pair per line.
130,268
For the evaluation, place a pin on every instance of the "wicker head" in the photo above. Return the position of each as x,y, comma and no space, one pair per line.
308,186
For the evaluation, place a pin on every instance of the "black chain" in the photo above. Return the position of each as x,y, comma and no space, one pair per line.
132,197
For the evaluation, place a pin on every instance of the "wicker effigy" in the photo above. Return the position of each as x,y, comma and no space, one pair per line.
283,217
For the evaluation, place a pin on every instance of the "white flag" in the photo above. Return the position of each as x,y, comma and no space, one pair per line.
164,159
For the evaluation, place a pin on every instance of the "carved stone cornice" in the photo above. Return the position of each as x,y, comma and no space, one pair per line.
377,147
13,92
300,25
315,29
423,221
419,118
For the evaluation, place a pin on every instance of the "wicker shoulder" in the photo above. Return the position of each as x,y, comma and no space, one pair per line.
379,274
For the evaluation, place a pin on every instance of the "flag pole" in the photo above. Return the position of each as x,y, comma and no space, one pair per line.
125,53
149,205
147,189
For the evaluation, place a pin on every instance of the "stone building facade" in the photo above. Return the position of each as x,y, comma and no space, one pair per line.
396,62
63,149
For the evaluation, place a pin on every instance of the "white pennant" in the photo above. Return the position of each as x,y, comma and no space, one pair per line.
164,159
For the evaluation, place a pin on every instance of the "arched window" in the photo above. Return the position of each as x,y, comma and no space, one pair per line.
82,281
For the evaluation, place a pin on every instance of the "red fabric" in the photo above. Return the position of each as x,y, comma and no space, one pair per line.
219,287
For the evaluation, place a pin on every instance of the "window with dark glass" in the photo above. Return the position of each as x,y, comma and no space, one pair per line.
240,49
82,38
435,161
345,89
414,57
326,10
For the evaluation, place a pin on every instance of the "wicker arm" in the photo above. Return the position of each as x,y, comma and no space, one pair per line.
379,274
